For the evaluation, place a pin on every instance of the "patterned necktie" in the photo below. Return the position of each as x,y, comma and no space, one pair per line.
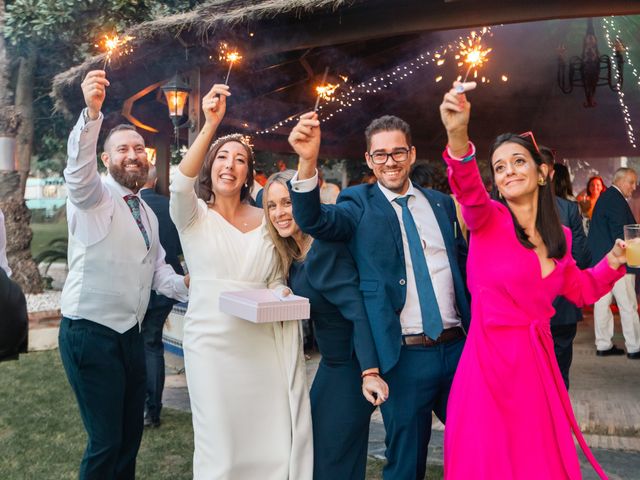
431,318
134,205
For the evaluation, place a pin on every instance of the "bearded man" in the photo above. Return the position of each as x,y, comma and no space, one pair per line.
115,259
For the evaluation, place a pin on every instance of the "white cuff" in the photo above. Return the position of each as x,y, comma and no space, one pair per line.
304,186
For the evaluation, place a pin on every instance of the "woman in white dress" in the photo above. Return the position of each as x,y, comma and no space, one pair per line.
247,384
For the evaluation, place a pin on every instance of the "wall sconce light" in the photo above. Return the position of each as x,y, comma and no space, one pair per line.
590,70
151,155
176,92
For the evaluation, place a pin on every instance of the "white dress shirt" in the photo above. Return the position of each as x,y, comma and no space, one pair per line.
434,251
4,263
90,207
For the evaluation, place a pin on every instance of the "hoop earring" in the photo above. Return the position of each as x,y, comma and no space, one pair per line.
542,182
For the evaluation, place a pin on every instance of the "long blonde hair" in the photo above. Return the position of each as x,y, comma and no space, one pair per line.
287,248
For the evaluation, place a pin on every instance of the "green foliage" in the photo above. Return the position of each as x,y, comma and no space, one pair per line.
64,33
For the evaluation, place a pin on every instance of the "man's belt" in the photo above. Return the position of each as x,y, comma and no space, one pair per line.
447,335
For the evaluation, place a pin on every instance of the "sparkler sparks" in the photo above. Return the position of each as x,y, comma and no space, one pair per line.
230,56
112,44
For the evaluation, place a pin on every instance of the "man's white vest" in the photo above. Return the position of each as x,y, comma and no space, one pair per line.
109,282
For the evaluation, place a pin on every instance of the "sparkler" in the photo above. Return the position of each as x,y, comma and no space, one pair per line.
111,44
473,54
319,92
231,57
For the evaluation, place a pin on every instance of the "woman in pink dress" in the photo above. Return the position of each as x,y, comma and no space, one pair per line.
509,416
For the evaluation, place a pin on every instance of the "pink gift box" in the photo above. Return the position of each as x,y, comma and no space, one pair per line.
264,306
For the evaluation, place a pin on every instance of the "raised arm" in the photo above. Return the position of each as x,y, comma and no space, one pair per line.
327,222
183,200
464,176
84,188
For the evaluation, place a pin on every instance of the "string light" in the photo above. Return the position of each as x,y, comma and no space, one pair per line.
350,95
611,41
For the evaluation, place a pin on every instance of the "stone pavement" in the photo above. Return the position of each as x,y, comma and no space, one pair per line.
605,393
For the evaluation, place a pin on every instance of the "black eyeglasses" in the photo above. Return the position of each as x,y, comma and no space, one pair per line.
399,155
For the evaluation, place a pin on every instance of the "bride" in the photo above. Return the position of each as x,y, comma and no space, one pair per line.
247,384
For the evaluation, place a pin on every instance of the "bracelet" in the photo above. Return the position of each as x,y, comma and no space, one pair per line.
370,374
471,153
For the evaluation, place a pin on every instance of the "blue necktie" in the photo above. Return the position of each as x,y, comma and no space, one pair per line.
134,205
431,318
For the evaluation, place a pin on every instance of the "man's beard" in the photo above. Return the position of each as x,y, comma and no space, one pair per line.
131,180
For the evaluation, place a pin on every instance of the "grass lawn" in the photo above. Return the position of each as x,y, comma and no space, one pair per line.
41,434
43,233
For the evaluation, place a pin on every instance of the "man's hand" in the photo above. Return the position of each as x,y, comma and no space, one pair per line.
375,389
305,140
454,112
214,104
94,90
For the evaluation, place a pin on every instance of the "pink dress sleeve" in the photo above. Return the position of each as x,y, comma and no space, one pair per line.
468,188
584,287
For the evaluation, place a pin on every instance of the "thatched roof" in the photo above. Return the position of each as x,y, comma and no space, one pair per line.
198,25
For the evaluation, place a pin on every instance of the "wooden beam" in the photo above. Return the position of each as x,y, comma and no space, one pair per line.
378,20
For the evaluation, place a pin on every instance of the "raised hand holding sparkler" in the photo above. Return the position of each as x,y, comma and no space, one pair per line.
94,90
305,140
455,111
214,104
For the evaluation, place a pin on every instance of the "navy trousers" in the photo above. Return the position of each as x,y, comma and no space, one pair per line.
154,358
107,373
563,336
340,416
419,384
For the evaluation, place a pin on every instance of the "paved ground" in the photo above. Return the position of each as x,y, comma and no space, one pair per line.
605,393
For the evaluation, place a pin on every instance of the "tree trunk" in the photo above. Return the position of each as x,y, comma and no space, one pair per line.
24,103
12,204
17,217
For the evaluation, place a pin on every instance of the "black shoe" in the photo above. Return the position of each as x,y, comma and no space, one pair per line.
612,351
151,422
634,355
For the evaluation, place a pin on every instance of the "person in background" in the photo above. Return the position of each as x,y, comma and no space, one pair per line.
4,263
159,306
14,321
562,182
115,260
588,198
347,386
610,215
328,191
564,324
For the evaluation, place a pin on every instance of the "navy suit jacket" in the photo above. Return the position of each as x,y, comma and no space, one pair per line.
366,221
610,215
566,312
169,240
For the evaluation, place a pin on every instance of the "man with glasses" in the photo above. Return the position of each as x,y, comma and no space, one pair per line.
411,259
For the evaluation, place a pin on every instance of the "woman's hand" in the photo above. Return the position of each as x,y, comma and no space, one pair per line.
374,388
214,104
618,254
454,113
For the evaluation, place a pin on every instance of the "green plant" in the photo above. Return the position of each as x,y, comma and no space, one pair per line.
55,250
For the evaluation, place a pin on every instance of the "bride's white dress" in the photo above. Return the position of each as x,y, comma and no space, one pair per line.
247,383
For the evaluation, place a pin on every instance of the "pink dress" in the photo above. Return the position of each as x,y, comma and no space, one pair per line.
509,416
